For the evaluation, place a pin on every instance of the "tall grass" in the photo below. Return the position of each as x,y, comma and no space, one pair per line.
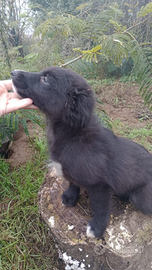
24,240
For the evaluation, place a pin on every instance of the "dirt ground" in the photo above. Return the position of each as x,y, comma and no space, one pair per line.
120,101
21,150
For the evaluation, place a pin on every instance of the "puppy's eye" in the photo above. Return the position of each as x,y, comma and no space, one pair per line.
45,79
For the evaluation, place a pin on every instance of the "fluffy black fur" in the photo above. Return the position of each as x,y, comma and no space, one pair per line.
90,155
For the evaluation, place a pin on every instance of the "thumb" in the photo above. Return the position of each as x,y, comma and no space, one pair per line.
16,104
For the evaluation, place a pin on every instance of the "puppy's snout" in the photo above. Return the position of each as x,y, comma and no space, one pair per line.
14,73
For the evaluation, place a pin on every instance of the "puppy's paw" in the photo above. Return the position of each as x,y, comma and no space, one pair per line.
94,230
70,196
68,199
90,232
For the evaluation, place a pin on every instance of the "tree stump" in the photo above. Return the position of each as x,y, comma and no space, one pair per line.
126,243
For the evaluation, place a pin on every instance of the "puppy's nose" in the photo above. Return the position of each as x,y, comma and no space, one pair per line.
14,73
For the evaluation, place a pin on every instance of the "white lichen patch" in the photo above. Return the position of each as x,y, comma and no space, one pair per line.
70,228
82,266
120,241
52,221
71,264
122,227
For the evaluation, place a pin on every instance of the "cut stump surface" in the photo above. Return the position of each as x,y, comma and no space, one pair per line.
127,242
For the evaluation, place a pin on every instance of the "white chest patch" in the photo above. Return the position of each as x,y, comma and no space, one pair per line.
58,168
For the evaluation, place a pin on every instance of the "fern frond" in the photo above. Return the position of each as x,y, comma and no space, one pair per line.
117,26
5,130
64,25
89,54
115,47
9,123
145,10
103,117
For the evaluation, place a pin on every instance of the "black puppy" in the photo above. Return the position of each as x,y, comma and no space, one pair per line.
88,154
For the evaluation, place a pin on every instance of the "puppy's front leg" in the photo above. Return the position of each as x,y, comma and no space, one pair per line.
100,198
69,196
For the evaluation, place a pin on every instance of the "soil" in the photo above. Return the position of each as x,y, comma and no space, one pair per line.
21,149
120,101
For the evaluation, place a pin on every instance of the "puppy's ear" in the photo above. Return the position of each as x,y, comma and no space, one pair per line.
79,107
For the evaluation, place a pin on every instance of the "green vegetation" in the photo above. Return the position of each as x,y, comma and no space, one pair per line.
101,40
141,135
97,84
23,236
9,123
115,36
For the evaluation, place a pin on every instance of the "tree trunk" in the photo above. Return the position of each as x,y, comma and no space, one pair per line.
4,44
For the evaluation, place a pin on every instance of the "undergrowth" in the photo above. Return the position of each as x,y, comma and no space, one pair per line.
140,135
9,123
25,243
96,84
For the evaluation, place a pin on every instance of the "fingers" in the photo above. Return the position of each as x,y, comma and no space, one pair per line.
33,107
10,101
13,95
8,84
5,86
16,104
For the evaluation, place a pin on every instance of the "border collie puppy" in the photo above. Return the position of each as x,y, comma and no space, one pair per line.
87,154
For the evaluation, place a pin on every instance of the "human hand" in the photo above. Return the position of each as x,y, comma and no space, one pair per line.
10,101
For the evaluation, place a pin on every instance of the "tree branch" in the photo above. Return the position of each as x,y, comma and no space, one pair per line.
72,61
137,24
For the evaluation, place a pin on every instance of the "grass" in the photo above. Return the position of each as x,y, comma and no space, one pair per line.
141,135
24,240
97,84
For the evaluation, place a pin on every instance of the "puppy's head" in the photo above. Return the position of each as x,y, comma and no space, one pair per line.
61,93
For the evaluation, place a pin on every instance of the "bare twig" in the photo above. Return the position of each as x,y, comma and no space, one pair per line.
137,24
109,264
72,61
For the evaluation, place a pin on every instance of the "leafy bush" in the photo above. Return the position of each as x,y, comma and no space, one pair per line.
4,71
143,71
9,123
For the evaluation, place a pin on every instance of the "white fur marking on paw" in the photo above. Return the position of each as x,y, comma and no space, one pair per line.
58,168
89,232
